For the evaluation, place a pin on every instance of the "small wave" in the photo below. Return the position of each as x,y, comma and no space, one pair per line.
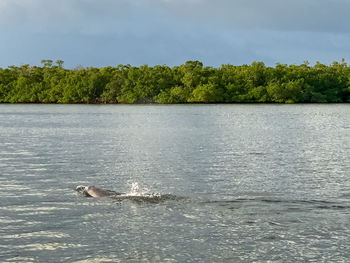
150,198
140,193
334,207
318,204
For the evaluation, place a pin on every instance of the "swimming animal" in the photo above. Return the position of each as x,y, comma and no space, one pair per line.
92,191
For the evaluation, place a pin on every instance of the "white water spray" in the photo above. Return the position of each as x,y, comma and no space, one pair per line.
137,190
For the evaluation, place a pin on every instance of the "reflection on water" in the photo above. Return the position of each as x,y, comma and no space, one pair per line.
247,183
38,234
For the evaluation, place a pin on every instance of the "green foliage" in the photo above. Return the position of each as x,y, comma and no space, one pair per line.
177,94
187,83
207,93
283,92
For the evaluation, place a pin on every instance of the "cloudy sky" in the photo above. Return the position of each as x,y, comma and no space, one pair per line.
137,32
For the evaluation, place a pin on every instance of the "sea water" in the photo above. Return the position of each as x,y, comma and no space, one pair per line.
252,183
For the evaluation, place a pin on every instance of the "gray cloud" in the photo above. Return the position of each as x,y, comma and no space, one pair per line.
298,15
109,32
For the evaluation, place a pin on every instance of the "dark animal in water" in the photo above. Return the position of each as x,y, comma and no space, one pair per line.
92,191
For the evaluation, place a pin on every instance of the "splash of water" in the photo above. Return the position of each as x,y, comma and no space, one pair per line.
137,190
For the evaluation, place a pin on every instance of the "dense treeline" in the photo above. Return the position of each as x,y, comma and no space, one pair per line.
188,83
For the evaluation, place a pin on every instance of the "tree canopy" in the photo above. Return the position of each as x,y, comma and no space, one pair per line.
188,83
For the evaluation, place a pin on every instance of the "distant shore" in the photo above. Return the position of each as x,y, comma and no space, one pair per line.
190,83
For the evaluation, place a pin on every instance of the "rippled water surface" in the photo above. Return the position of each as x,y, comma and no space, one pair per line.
252,183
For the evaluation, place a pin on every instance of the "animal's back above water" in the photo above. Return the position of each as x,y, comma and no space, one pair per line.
97,192
92,191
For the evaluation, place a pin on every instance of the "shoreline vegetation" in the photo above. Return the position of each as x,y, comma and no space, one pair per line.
187,83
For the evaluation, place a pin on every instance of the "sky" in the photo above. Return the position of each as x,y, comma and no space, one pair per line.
156,32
